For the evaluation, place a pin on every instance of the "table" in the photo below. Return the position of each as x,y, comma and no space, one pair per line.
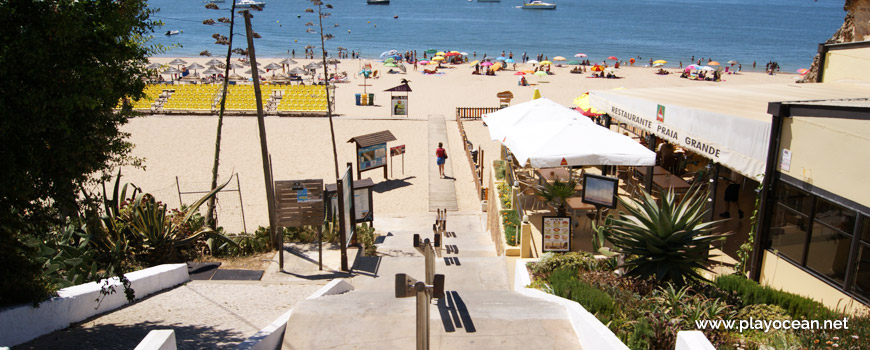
666,181
553,174
657,170
576,203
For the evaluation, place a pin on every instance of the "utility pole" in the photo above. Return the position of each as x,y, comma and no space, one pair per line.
267,168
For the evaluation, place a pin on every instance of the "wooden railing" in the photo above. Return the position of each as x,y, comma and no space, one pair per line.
473,113
476,168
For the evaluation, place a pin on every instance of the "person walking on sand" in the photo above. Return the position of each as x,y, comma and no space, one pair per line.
440,158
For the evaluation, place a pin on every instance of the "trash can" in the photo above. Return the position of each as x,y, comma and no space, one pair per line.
371,99
364,100
358,99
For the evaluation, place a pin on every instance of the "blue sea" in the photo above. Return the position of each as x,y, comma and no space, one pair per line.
786,31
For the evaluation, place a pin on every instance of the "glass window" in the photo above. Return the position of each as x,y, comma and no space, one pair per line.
865,228
829,252
788,233
862,274
794,198
834,215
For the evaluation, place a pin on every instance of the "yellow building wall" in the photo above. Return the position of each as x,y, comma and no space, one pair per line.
781,274
830,153
848,64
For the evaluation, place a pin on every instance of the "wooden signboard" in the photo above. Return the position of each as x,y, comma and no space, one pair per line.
299,202
371,150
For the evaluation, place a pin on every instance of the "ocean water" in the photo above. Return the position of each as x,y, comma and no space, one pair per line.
786,31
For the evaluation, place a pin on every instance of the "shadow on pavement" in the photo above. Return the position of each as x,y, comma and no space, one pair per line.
392,184
454,313
111,336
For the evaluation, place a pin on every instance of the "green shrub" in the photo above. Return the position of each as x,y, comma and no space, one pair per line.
564,283
504,194
366,237
752,293
511,225
583,261
498,167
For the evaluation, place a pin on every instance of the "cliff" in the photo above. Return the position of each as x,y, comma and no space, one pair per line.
856,27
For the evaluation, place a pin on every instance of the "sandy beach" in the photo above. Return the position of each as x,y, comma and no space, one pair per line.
183,146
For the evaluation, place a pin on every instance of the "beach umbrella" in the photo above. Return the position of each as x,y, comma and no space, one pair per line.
431,51
487,63
424,62
287,61
474,62
533,61
154,65
213,62
451,54
580,55
597,68
733,62
438,58
713,63
195,66
273,66
509,60
251,71
177,62
693,67
803,71
235,76
333,61
297,71
519,73
573,62
390,65
390,60
501,58
613,58
212,71
171,70
537,94
383,54
546,63
585,107
440,53
464,53
558,58
707,68
541,73
660,62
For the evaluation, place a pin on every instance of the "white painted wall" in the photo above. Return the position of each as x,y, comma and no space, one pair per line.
592,333
158,339
23,323
693,340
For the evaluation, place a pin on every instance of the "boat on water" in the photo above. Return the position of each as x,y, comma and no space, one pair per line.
172,32
249,3
378,2
539,5
216,1
488,0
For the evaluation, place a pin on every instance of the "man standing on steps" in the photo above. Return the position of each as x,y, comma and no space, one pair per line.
440,158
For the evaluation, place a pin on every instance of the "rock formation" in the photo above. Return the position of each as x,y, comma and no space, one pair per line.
856,27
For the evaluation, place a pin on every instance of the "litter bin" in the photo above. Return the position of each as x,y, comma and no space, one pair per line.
371,99
364,100
358,99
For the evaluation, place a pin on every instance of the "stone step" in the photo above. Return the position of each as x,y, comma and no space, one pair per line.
461,273
477,320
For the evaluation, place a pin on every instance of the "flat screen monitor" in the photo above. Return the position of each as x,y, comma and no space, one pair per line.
600,190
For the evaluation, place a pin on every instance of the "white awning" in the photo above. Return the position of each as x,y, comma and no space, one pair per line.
728,124
546,134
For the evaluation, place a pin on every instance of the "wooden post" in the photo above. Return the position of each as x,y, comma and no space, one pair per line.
320,245
270,193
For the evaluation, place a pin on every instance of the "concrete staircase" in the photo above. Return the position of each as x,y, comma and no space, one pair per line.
479,311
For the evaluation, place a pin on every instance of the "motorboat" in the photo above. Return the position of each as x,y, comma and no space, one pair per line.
539,5
216,1
172,32
250,3
378,2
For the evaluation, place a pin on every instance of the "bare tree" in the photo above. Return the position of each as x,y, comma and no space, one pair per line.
323,37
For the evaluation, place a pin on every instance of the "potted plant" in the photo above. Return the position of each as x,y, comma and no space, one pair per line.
556,193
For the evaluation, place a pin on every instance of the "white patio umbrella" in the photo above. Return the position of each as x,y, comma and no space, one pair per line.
547,134
541,110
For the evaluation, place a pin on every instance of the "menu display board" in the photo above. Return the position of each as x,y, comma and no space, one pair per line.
557,233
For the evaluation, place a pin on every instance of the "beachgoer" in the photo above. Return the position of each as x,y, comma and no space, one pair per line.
440,158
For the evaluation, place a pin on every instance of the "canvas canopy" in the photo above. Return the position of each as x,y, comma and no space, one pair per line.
729,124
546,134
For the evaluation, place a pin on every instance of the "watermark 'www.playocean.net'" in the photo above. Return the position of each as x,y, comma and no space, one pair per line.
767,325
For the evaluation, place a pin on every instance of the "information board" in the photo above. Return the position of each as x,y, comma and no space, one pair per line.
399,105
557,233
600,190
372,156
361,206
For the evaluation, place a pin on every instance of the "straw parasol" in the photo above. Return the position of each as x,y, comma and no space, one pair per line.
212,71
297,71
177,62
154,65
251,71
214,62
171,70
287,61
273,66
195,66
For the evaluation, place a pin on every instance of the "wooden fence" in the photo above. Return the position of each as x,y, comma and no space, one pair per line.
476,167
473,113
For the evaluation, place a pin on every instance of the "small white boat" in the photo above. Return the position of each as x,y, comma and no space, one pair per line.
539,5
172,32
378,2
216,1
249,3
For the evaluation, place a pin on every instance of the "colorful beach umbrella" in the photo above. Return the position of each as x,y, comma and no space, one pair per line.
573,62
613,58
509,60
660,62
473,62
520,73
533,61
438,58
541,73
693,67
658,65
424,62
558,58
501,58
713,63
597,68
440,53
584,107
451,54
803,71
580,55
546,63
487,63
390,65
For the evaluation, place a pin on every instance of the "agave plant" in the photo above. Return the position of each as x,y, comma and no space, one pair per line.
669,241
556,193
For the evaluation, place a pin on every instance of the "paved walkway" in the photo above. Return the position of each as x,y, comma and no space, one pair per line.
442,193
480,311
